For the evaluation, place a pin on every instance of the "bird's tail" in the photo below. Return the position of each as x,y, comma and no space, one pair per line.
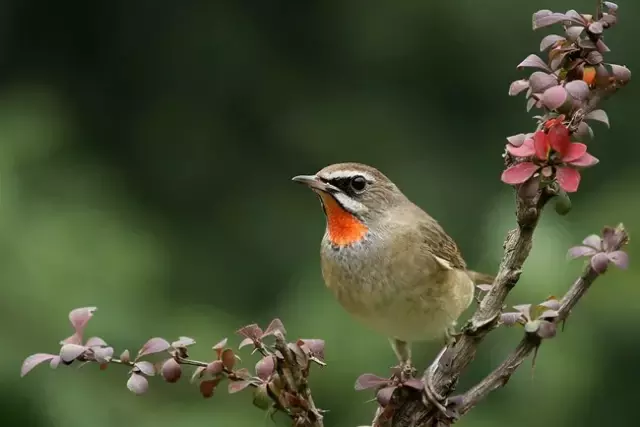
481,278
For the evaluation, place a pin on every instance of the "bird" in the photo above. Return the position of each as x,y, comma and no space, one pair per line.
388,262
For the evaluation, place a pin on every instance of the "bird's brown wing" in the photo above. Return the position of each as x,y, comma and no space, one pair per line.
441,245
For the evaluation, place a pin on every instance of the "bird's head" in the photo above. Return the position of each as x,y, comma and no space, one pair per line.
354,197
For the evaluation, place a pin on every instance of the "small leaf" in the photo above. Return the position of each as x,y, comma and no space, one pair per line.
620,73
534,61
549,41
548,314
216,367
261,398
532,326
545,18
584,131
79,317
265,367
315,346
600,262
236,386
145,367
70,352
245,342
95,342
275,325
611,6
414,383
137,384
208,387
367,381
154,345
593,241
228,358
578,89
250,331
171,370
554,97
510,318
551,303
518,86
384,395
197,373
519,173
596,28
125,357
524,309
183,342
573,33
541,81
575,17
598,115
546,329
563,203
34,360
594,57
103,354
619,258
55,362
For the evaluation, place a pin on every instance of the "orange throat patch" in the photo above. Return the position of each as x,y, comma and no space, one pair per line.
343,227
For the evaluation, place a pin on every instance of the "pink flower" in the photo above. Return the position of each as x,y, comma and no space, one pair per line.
551,153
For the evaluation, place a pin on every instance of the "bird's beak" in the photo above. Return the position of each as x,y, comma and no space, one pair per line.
315,183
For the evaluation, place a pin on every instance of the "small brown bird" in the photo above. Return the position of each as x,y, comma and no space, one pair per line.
388,262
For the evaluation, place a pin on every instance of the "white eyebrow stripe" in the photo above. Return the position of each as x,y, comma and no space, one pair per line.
349,174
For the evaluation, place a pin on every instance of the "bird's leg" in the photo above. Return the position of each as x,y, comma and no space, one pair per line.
430,394
402,349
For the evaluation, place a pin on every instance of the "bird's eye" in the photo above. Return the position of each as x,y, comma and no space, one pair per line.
358,183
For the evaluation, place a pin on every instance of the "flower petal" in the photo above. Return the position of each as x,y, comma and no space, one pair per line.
585,161
519,173
541,144
620,259
599,262
559,139
575,150
524,150
568,178
580,251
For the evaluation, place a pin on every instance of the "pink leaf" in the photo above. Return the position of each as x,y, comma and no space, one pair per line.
95,342
545,18
575,150
541,81
171,370
524,150
534,61
414,383
103,354
578,89
208,387
598,115
183,342
138,384
34,360
55,362
265,367
236,386
80,317
541,144
599,262
220,345
519,173
585,161
620,73
250,331
315,346
70,352
510,318
580,251
125,357
554,97
198,373
568,179
145,367
366,381
518,86
620,259
154,345
593,241
76,338
383,396
549,41
245,342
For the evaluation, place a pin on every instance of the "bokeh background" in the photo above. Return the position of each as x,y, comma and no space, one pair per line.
145,156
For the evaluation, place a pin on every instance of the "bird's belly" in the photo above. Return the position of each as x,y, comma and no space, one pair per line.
395,300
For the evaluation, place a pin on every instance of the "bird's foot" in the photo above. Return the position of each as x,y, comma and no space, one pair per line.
451,337
404,372
430,395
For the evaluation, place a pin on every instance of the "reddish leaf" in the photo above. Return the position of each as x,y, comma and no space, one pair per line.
568,179
125,357
519,173
250,331
171,370
414,383
275,325
384,395
215,367
367,381
197,373
34,360
534,61
245,342
154,345
541,145
585,161
265,367
524,150
137,384
236,386
228,358
619,258
559,139
315,346
70,352
208,387
554,97
575,150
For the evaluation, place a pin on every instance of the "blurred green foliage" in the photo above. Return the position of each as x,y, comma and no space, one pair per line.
145,156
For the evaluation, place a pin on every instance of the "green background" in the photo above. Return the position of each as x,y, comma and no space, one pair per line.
146,150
